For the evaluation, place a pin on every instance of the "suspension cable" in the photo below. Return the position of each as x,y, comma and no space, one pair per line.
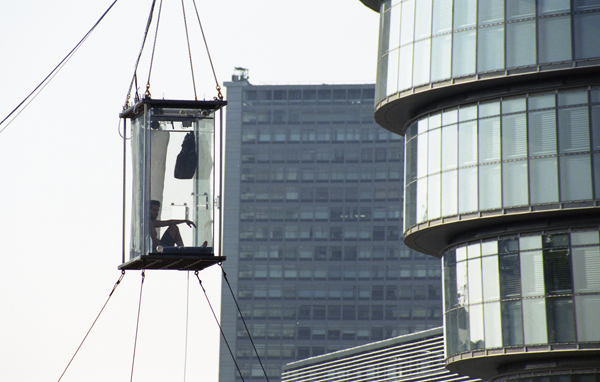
187,319
243,320
94,323
52,74
219,95
220,328
137,62
189,50
137,325
147,94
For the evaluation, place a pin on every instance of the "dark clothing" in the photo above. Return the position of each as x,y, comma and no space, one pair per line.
167,240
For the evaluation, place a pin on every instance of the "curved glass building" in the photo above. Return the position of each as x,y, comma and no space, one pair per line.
499,103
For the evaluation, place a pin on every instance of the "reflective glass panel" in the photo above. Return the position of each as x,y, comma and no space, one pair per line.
467,143
450,290
586,269
489,109
490,47
490,195
583,238
392,74
442,16
490,277
463,53
542,133
553,6
421,200
410,154
451,332
554,39
433,197
557,271
449,191
450,147
520,44
474,275
520,9
467,190
492,325
541,101
534,321
543,179
510,276
573,130
421,62
586,33
514,136
423,19
465,14
532,265
408,22
561,322
575,178
476,326
405,68
422,154
464,343
490,12
587,311
462,291
434,164
489,140
441,57
512,327
394,26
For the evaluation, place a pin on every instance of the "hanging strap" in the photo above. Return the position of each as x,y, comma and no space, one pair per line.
243,320
137,62
219,95
94,323
220,328
137,325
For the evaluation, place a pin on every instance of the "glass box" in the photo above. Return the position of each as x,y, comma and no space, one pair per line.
173,191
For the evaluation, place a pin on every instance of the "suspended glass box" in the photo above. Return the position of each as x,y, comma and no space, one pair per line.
175,219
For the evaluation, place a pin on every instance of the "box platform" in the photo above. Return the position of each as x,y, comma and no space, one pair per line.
188,260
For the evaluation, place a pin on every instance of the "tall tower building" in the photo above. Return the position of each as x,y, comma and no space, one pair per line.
312,228
499,105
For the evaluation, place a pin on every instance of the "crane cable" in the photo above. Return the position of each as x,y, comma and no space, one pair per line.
137,62
243,320
137,325
187,36
147,94
220,327
94,323
52,74
218,88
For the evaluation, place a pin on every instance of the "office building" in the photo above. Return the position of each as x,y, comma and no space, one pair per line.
312,221
417,357
499,104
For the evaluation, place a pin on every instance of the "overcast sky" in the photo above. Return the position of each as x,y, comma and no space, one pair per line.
61,166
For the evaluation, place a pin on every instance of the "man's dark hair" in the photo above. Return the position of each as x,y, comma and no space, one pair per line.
154,203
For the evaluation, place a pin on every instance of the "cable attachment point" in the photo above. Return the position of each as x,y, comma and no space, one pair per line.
147,94
219,95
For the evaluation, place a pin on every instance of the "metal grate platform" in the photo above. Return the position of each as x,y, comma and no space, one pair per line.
179,261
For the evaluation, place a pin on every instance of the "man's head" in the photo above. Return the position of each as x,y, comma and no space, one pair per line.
154,209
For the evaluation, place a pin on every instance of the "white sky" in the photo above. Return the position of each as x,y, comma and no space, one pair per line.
61,160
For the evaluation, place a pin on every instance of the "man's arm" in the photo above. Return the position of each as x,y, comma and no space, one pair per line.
166,223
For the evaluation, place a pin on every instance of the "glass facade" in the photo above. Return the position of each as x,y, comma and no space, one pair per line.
538,150
531,289
321,263
424,42
499,102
